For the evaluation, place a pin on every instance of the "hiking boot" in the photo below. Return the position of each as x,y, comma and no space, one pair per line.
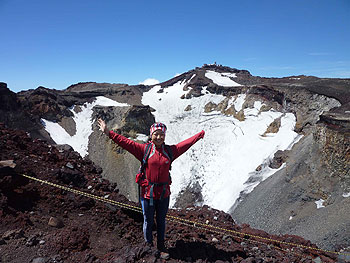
161,247
164,253
148,246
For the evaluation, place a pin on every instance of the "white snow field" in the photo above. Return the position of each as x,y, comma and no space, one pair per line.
80,140
231,150
222,79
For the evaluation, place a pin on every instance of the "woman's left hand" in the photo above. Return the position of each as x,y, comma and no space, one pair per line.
103,126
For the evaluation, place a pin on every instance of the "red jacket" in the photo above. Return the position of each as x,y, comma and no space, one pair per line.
157,168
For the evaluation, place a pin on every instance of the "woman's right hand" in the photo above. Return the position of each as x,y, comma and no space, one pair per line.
103,126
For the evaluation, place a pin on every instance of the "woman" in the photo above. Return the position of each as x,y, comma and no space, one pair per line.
155,189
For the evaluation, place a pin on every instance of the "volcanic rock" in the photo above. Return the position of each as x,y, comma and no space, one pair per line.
55,222
8,99
13,234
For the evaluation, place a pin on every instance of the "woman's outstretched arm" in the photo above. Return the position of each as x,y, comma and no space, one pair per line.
136,149
183,146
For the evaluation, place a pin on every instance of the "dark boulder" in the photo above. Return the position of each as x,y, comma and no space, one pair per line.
8,99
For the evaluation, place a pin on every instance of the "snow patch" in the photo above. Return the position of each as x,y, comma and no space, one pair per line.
142,137
260,176
319,203
346,195
237,102
221,79
192,77
80,140
204,90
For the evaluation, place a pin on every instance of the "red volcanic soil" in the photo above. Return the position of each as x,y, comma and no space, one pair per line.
42,223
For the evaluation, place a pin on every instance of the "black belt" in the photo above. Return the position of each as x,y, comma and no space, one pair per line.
151,190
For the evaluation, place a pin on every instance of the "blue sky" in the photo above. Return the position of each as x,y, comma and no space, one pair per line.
58,43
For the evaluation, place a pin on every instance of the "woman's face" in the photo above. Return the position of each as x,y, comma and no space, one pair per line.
158,138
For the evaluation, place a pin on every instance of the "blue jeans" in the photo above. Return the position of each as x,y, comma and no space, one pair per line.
160,207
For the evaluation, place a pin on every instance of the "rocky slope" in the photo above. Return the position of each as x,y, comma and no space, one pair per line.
318,168
42,223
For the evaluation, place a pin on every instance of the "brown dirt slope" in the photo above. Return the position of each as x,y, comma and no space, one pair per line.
41,223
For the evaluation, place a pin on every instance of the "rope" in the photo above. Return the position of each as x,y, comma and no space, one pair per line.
207,227
242,238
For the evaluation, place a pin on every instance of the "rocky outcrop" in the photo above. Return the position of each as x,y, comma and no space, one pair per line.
15,116
122,93
337,121
101,88
307,107
119,166
335,146
137,120
8,99
224,69
329,87
46,103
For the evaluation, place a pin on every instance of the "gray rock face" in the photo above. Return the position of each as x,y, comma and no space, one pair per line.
317,168
119,166
190,196
308,107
